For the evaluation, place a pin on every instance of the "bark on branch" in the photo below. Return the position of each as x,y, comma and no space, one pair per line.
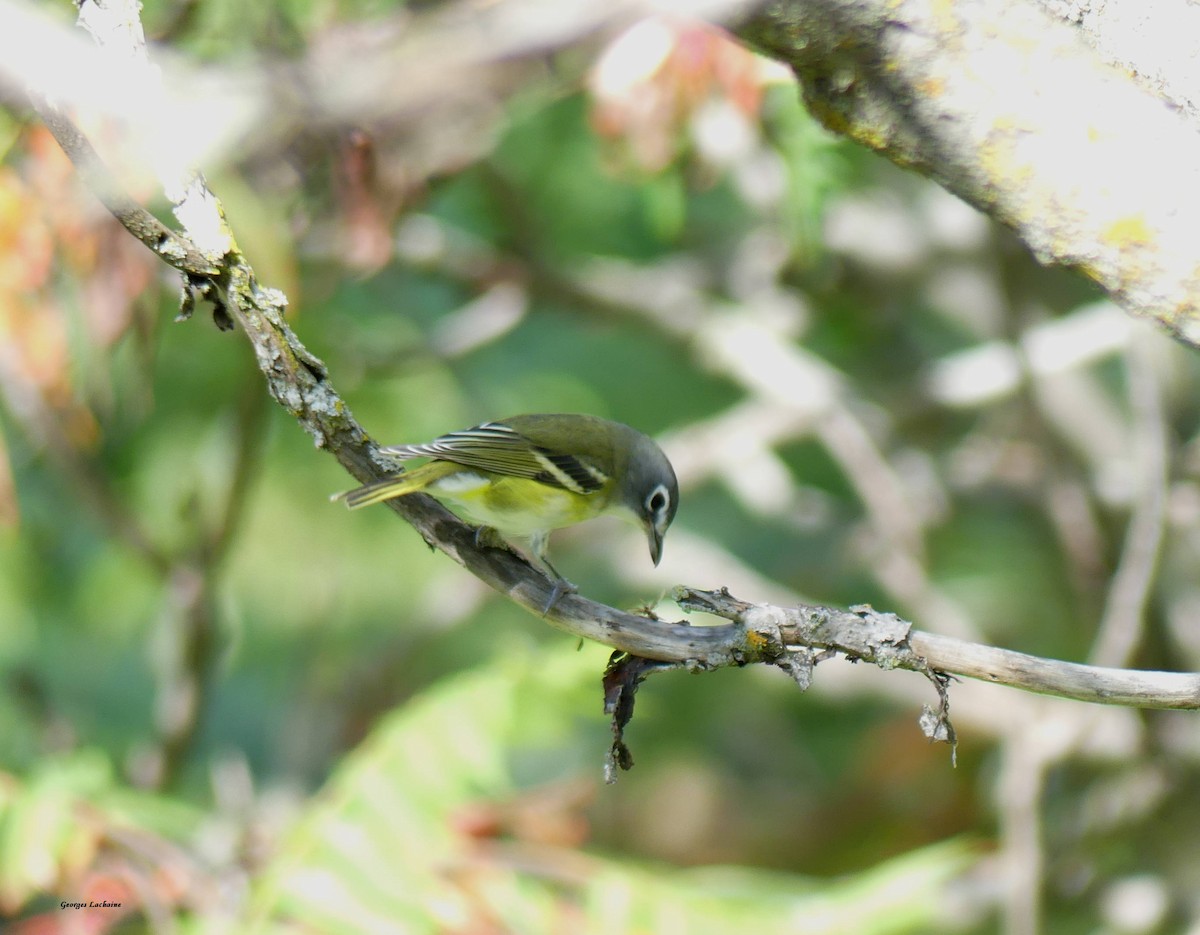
1014,112
863,633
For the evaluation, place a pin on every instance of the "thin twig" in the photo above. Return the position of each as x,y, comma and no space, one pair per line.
1019,791
250,440
168,245
1124,613
193,586
864,633
43,426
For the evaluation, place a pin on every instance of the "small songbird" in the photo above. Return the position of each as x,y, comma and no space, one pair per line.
529,474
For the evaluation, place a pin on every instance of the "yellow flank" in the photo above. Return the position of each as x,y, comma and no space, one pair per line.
516,506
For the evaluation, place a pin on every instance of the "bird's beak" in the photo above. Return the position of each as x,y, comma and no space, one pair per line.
655,537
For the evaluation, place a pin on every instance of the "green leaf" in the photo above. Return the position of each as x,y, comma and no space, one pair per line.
379,851
42,830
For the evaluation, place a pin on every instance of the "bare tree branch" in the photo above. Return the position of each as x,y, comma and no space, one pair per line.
1154,39
1123,623
450,65
1011,110
1001,102
884,639
170,246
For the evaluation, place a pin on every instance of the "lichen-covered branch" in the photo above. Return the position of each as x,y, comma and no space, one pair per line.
1010,109
882,638
169,246
863,633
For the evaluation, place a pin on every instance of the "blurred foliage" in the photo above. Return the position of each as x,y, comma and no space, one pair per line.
425,828
229,705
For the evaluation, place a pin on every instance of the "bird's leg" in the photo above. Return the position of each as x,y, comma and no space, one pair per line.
488,537
561,585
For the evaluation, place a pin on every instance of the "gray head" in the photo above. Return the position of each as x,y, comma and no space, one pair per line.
649,490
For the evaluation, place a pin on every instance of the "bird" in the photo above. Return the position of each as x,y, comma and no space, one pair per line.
526,475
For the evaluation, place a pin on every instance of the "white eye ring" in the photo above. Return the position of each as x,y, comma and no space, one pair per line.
658,501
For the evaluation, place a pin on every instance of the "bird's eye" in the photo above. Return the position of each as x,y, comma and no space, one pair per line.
657,501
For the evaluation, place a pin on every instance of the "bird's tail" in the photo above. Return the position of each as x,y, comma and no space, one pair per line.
398,485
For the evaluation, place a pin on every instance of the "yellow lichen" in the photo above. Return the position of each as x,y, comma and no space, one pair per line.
755,641
944,16
997,158
931,87
1130,231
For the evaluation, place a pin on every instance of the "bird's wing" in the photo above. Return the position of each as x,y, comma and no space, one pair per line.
500,449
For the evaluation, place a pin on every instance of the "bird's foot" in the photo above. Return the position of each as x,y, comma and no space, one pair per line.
487,537
562,587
